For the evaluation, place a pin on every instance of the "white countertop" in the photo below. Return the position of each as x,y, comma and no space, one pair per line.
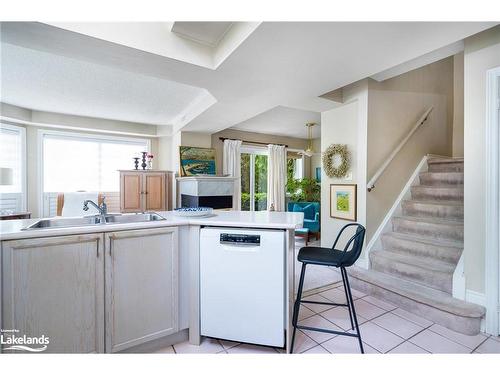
12,229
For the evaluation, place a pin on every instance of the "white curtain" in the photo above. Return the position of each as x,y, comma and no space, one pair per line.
231,165
276,177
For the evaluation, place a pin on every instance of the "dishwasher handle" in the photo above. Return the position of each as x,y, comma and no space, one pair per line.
240,239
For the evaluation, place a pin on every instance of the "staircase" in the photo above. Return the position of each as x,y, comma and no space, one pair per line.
414,266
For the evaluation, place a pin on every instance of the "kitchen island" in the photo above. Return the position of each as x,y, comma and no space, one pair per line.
109,268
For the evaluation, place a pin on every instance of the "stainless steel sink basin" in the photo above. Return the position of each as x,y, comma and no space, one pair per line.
64,222
94,220
133,218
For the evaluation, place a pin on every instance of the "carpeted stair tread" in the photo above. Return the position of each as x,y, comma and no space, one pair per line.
419,293
425,271
441,178
426,240
453,210
415,260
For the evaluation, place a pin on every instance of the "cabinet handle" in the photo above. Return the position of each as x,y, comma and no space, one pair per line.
98,246
110,246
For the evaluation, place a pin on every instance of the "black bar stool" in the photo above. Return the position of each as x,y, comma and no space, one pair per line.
323,256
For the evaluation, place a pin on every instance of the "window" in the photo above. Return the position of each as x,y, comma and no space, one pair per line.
13,156
77,162
253,179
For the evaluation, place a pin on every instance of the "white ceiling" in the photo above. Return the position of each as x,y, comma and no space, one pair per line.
209,33
285,64
53,83
283,121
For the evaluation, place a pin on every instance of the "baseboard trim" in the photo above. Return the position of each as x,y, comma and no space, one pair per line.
475,297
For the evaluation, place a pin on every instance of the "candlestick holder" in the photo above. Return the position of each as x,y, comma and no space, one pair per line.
136,162
144,165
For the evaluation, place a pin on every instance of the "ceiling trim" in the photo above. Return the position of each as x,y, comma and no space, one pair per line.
14,120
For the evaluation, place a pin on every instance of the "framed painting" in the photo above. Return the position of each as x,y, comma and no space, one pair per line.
343,204
196,161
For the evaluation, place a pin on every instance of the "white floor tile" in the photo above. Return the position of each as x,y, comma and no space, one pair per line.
413,318
317,350
305,312
435,343
345,344
207,346
303,342
379,338
340,316
471,342
318,321
379,303
251,349
335,295
315,307
228,344
367,310
489,346
408,348
357,294
395,324
167,350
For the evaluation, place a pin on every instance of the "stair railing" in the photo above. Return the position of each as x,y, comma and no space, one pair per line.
380,171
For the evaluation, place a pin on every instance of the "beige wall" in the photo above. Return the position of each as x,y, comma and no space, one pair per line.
87,125
293,143
482,52
394,106
346,124
458,105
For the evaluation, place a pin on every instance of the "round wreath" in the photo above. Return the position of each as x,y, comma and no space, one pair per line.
345,161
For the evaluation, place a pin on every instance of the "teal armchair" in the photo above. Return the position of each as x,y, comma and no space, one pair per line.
311,216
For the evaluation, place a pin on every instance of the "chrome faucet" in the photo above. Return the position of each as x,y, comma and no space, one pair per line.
102,208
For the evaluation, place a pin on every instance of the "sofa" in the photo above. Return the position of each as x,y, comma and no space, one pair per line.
311,224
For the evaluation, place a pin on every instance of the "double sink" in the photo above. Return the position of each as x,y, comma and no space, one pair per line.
94,220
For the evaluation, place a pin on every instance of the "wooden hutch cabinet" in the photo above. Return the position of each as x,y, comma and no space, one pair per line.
148,190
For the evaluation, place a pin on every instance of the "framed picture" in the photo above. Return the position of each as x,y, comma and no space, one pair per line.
343,204
196,161
318,174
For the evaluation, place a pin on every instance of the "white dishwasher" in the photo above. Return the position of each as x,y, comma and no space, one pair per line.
242,285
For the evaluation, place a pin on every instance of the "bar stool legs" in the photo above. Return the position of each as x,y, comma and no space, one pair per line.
351,302
349,305
296,306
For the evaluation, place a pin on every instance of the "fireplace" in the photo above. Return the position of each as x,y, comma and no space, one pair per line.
216,192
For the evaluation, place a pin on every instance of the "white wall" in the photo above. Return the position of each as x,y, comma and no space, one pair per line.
346,124
482,52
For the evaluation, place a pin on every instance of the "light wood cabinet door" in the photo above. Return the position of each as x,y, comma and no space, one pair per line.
154,189
55,287
141,286
131,197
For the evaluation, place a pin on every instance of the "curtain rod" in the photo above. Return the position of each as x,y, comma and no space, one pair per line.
254,142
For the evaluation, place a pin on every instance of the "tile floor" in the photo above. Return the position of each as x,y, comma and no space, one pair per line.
384,329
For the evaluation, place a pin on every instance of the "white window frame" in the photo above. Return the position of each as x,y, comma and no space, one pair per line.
492,244
24,190
253,150
76,135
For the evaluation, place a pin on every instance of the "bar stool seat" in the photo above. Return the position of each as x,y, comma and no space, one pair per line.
333,257
321,256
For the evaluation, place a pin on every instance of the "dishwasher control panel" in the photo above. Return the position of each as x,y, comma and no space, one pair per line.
240,239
